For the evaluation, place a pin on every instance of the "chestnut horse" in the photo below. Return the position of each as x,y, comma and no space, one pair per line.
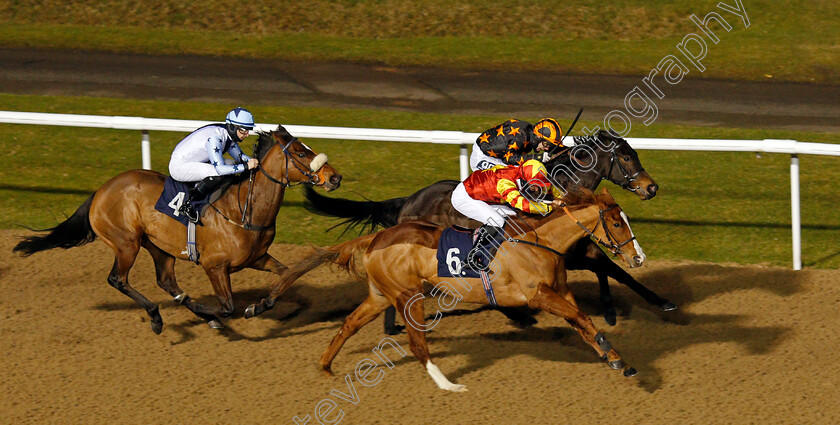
615,160
398,261
237,229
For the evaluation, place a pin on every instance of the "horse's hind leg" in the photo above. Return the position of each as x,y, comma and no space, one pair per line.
548,300
362,315
267,263
118,278
165,271
413,313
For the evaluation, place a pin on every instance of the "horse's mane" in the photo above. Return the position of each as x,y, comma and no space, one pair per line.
265,141
603,136
579,197
592,140
576,198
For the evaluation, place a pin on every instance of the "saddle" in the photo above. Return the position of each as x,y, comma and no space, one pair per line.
453,246
173,195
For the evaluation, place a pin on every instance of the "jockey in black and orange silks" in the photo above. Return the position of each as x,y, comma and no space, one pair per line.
511,143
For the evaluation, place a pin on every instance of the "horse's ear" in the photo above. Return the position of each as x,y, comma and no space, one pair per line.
604,191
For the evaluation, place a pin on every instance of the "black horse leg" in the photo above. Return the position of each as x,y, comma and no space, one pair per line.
601,263
606,298
391,327
521,318
582,257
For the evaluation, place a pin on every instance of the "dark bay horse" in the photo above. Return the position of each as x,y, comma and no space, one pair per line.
397,262
614,160
237,229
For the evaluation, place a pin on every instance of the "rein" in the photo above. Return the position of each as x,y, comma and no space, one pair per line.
312,179
613,246
549,249
536,244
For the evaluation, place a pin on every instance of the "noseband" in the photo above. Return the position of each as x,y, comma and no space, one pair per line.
628,179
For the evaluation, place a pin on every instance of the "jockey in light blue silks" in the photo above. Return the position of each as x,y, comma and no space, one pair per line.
198,157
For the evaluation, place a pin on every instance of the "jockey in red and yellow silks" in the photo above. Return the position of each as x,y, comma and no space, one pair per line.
502,184
483,197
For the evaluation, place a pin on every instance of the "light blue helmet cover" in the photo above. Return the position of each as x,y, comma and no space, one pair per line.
240,117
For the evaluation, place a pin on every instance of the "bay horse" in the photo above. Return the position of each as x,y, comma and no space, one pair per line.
398,261
615,160
122,213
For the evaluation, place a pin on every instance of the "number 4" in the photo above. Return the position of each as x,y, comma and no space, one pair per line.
176,202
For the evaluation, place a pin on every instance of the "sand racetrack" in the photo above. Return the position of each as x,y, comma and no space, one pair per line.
748,345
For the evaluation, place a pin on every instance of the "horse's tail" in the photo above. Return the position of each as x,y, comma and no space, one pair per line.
75,231
367,214
342,255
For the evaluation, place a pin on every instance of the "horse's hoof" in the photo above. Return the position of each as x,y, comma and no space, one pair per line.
157,327
215,324
630,372
394,330
668,306
249,312
609,317
524,323
616,364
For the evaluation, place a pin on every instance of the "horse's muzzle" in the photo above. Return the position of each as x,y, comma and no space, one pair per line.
333,182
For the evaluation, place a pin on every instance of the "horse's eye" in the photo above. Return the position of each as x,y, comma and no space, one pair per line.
616,225
302,154
627,158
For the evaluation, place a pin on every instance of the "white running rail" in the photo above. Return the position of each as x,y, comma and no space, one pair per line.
790,147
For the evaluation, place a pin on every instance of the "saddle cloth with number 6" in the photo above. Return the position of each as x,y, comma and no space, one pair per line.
453,247
173,195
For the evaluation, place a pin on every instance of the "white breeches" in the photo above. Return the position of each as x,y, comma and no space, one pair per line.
192,171
480,161
481,211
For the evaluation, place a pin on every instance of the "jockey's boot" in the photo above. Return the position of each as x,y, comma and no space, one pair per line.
486,233
199,191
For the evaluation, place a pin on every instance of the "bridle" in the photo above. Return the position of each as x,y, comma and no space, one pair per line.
628,179
313,178
611,243
311,175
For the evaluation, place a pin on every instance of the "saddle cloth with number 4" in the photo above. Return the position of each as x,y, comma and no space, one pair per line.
173,195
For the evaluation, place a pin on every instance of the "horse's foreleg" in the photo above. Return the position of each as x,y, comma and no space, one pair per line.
551,302
118,278
413,314
220,279
611,269
601,264
165,271
362,315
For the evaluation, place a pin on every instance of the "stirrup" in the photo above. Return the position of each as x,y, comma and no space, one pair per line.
189,212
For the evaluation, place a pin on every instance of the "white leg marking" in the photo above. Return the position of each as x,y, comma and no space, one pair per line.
441,380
